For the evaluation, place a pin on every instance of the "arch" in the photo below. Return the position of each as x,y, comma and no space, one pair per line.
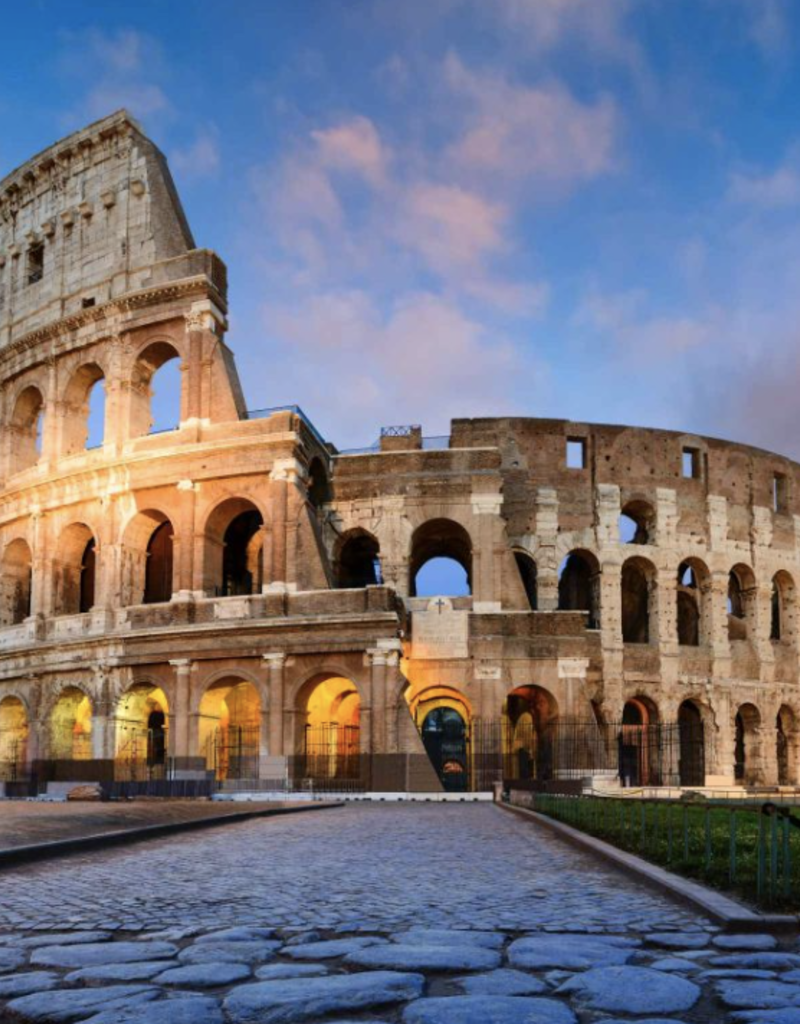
318,484
27,428
787,746
229,732
637,582
82,416
783,608
439,539
357,562
159,567
691,745
444,732
526,567
529,719
76,570
14,730
16,576
639,743
71,726
579,586
234,549
692,584
747,745
141,732
741,602
149,365
637,522
328,736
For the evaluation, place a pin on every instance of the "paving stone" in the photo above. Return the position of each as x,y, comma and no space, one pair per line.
787,1015
301,999
26,982
205,975
674,963
418,957
740,972
759,961
102,953
748,942
634,990
62,939
450,937
236,935
570,952
253,952
331,948
77,1004
487,1010
191,1009
134,971
304,938
10,959
758,994
502,982
678,940
274,971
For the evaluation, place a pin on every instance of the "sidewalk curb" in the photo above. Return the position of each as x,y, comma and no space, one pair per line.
15,855
731,915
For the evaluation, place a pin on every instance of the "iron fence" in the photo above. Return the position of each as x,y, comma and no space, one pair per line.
233,752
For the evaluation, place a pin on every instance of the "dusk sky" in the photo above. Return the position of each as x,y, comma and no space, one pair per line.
586,209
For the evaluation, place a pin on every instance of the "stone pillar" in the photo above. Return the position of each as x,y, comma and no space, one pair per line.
715,597
664,612
608,505
186,566
486,511
378,660
184,725
546,504
572,675
276,687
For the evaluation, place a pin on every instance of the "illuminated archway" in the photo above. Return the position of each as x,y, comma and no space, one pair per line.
13,738
141,732
230,728
329,720
443,717
15,583
529,718
234,543
639,744
71,726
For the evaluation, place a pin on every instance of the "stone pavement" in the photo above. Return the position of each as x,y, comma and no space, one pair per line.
420,914
23,823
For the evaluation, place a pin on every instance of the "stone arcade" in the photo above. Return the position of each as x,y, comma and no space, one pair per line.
236,597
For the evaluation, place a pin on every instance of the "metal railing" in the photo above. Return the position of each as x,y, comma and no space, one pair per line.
751,849
263,414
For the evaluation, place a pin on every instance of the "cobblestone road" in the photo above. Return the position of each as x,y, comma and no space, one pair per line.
414,913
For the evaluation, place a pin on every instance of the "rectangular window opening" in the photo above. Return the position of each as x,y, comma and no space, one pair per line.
691,464
576,453
780,493
35,262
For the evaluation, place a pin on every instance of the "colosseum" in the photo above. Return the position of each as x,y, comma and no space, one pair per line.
236,603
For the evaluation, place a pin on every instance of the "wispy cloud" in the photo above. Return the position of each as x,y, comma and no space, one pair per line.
201,158
771,189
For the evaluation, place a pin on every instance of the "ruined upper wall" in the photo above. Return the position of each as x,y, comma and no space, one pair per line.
92,217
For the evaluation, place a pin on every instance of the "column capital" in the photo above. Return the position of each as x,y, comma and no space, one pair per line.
274,660
572,668
181,663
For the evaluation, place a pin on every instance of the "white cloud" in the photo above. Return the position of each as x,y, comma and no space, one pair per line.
353,146
770,189
201,158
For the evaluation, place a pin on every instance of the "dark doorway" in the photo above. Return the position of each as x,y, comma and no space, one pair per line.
88,567
359,561
444,734
241,557
158,568
692,764
156,738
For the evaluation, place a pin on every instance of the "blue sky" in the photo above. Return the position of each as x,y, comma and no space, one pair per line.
436,208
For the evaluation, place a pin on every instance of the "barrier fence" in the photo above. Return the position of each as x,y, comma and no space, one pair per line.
751,849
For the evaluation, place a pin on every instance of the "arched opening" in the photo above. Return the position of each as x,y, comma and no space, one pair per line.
691,745
529,720
579,586
741,601
747,745
230,729
141,733
358,563
84,401
782,608
637,582
319,487
71,726
441,560
329,728
637,523
27,427
76,571
639,744
155,397
13,739
158,567
786,740
692,578
528,574
15,583
443,717
234,549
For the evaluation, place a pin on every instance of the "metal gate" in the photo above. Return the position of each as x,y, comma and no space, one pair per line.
13,763
234,752
142,756
331,751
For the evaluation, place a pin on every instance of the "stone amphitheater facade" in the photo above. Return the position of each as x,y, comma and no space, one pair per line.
234,594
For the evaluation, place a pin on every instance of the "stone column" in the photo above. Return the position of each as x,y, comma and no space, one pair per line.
546,504
276,686
486,511
572,676
182,742
378,660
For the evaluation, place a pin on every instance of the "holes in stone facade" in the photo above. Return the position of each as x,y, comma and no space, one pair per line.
358,563
780,493
637,580
579,586
527,572
576,453
441,560
692,466
637,523
35,271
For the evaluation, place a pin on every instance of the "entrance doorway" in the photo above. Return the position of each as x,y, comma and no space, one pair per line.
444,734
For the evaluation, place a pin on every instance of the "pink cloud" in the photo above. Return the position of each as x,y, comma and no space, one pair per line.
354,146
